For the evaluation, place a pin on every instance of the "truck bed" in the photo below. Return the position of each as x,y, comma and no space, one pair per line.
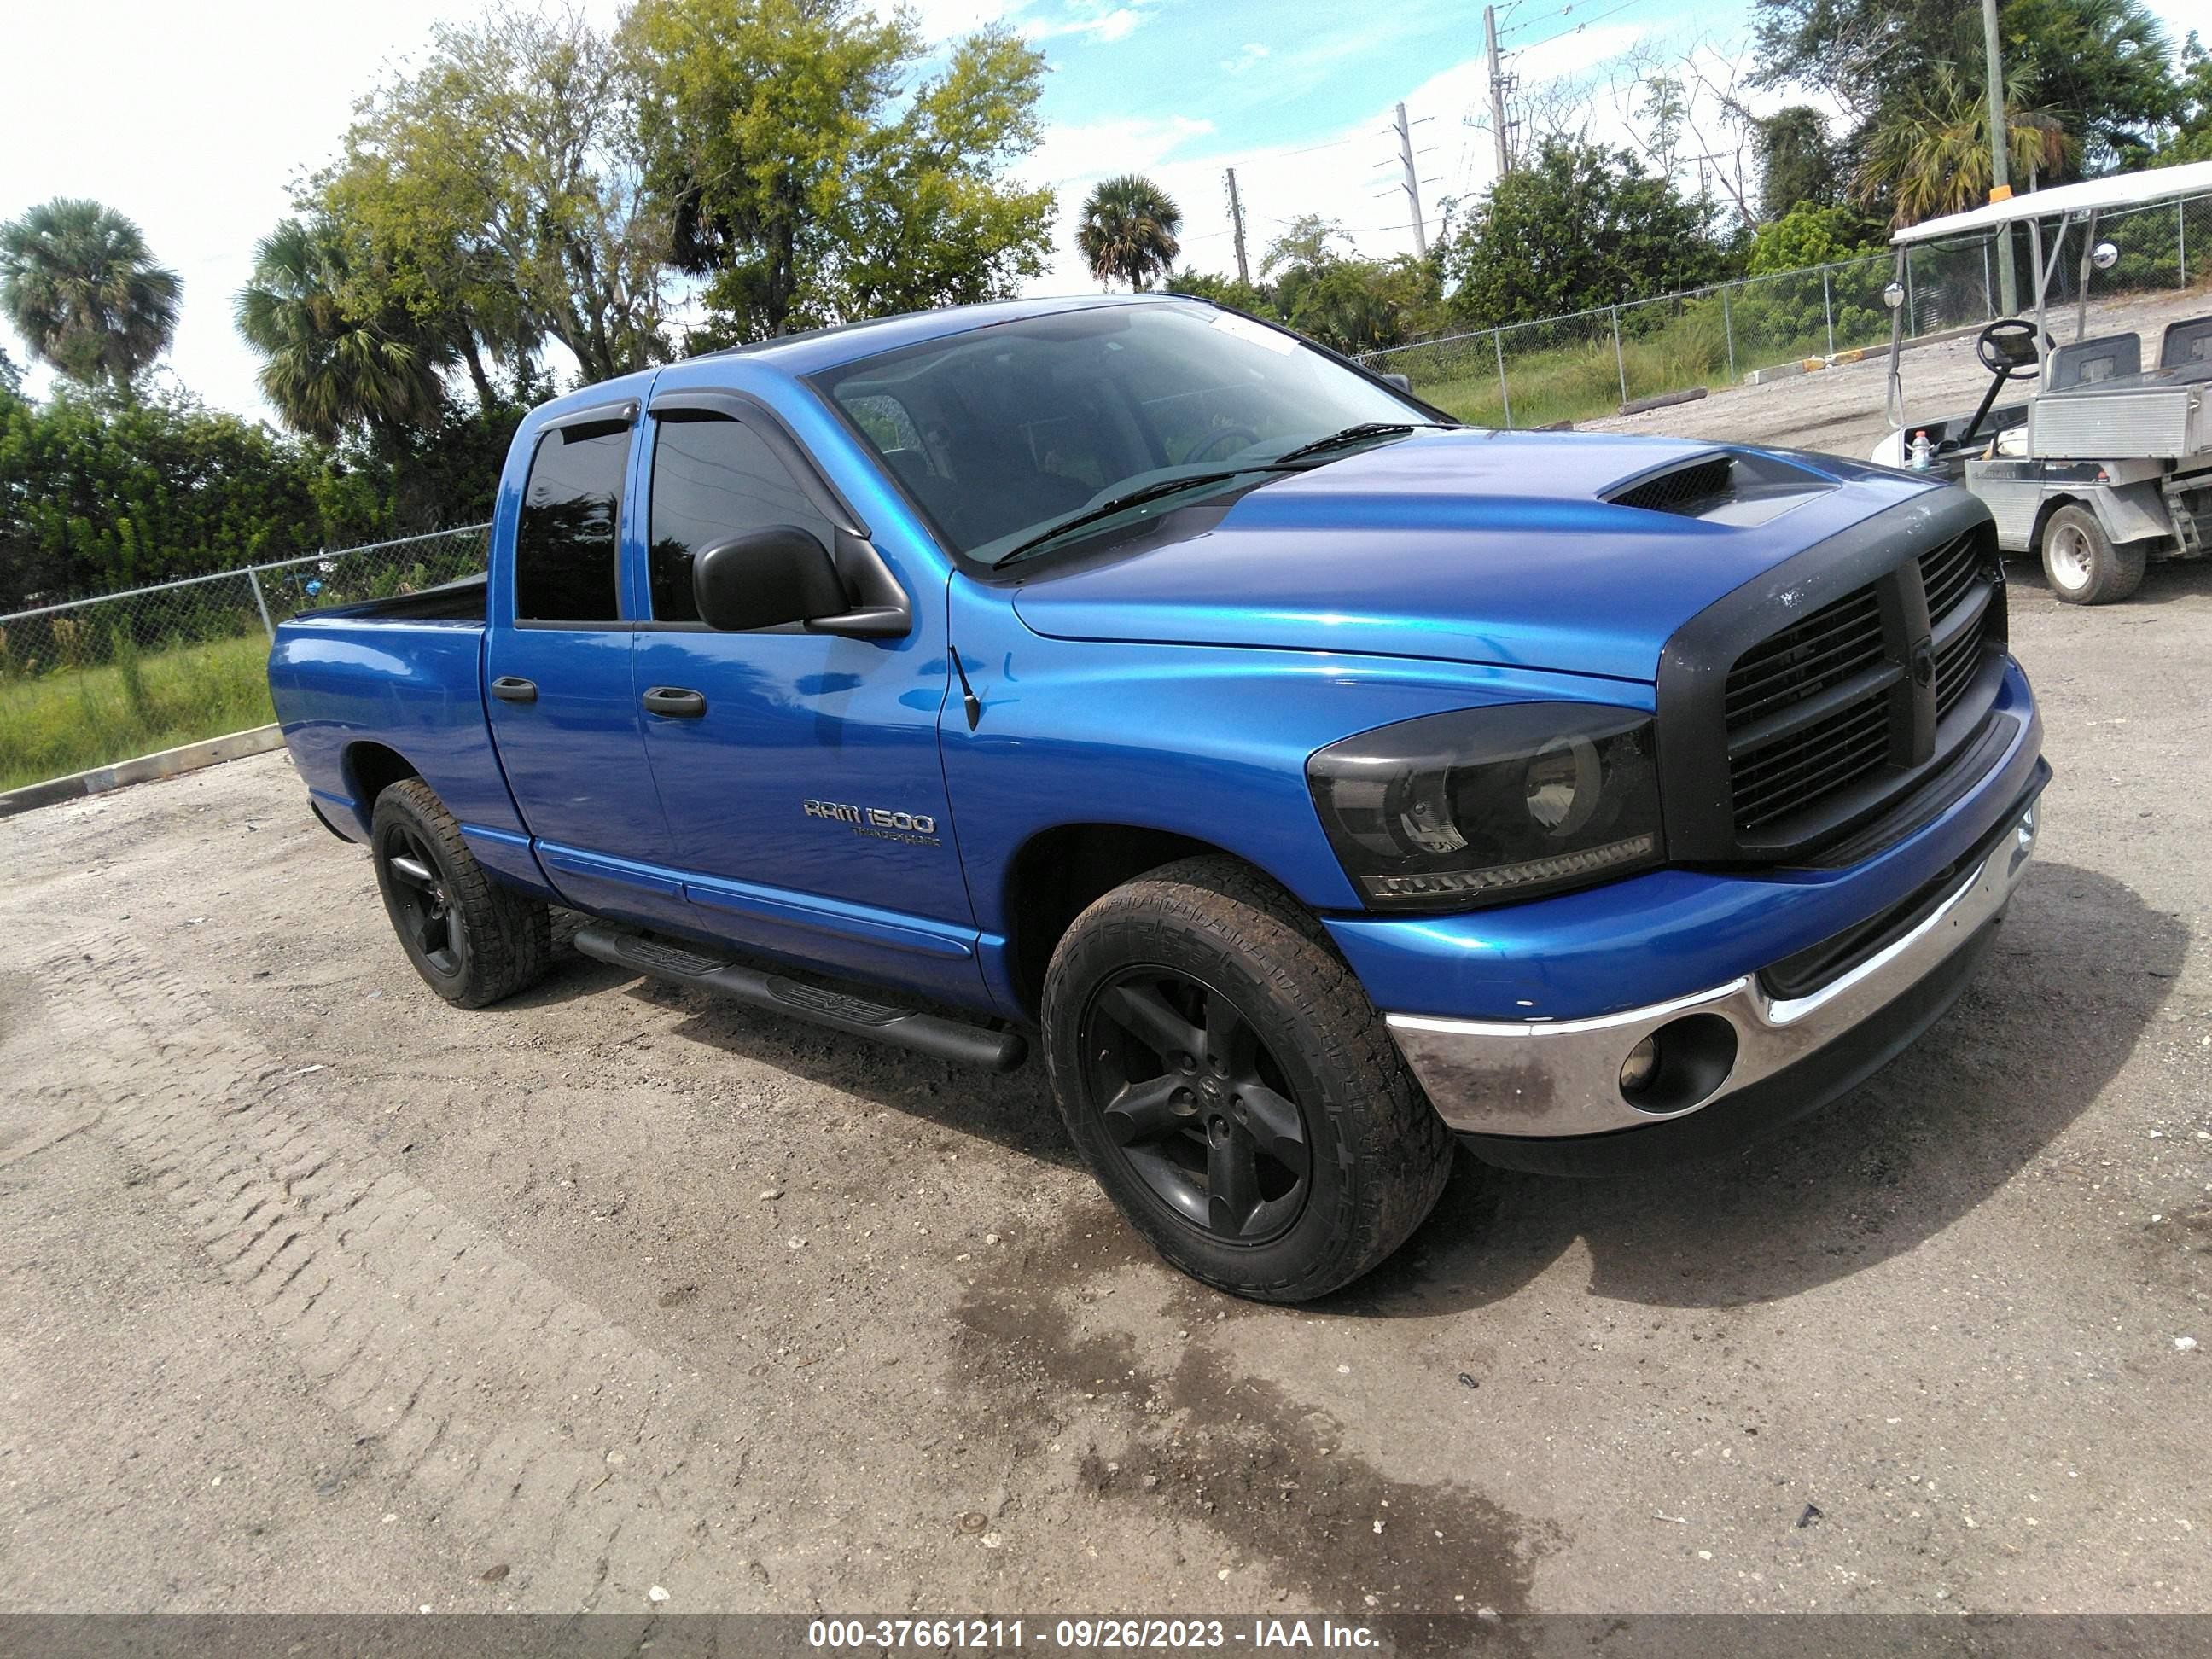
361,688
455,601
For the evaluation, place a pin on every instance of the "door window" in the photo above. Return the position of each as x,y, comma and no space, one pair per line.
714,478
564,544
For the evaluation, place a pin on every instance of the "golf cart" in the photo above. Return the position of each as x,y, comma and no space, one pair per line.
2108,462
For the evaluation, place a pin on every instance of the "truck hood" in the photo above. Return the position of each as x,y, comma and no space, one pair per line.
1467,546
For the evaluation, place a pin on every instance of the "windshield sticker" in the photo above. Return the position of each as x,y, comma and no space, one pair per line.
1260,335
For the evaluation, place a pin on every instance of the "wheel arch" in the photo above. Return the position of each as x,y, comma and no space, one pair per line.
2126,513
2044,509
369,768
1059,872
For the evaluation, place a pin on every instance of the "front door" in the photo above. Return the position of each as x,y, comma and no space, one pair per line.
805,794
564,707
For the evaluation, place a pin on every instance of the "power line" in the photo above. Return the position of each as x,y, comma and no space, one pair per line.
1333,143
1573,28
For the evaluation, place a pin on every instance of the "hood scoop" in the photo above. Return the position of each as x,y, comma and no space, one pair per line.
1722,488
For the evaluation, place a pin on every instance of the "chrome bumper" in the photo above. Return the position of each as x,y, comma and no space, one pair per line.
1562,1078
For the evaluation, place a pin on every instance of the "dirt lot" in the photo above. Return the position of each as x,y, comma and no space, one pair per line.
321,1295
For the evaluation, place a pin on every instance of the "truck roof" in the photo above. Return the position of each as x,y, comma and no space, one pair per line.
816,349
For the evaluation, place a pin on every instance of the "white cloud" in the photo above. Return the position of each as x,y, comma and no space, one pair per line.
1099,20
1251,54
213,108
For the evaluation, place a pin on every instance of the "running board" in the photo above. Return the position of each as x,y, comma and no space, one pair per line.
925,1034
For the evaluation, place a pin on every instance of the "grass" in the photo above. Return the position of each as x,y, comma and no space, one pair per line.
1582,380
74,719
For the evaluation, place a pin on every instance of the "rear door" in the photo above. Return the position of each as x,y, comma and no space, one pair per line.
805,793
564,703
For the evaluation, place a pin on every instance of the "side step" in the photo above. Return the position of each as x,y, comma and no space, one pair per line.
925,1034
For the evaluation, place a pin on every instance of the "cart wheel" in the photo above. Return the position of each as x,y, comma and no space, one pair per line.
2080,562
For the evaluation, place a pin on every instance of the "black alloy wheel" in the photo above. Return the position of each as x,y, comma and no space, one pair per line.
421,906
1196,1105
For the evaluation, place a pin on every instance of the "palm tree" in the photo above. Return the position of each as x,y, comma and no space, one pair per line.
1930,155
80,285
1127,232
328,371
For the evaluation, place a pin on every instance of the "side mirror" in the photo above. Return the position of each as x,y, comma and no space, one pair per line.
766,579
1403,382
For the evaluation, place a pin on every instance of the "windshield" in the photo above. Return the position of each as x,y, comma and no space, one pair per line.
1004,432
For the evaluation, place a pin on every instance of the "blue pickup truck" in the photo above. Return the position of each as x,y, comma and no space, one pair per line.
1316,780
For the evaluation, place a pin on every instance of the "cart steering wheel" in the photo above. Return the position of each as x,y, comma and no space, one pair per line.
2008,349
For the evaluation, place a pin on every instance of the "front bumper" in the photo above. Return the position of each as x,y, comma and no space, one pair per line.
1507,1083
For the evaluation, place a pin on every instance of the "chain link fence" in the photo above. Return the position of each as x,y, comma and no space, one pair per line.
88,682
1590,363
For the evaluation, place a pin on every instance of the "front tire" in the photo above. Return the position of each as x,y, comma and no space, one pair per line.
1233,1087
472,940
2080,562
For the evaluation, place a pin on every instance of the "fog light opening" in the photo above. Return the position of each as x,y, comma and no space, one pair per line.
1640,1067
1679,1065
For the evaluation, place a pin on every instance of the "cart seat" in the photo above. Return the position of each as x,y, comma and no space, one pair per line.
2090,363
2189,340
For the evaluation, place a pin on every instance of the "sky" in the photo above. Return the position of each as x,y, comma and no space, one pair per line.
206,114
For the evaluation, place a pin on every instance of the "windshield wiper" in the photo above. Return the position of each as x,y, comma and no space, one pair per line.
1121,503
1351,434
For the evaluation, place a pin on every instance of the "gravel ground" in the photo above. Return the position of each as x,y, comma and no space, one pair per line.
322,1295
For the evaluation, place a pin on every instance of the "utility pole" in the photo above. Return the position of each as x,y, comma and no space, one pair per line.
2000,155
1236,219
1412,182
1496,92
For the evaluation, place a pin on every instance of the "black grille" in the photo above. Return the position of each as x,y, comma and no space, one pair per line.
1683,487
1772,782
1946,574
1815,712
1953,576
1829,647
1955,664
1784,754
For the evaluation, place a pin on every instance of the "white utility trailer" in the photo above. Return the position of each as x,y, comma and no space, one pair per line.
2107,465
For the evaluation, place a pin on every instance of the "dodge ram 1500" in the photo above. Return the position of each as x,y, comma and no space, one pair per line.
1314,780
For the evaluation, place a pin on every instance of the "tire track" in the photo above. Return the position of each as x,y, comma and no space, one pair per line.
531,1431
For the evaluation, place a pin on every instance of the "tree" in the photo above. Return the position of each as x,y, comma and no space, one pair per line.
1928,153
327,370
1128,231
1808,235
2098,67
1255,298
99,494
81,288
1307,243
809,175
501,190
11,378
1796,162
2192,134
1346,302
1580,226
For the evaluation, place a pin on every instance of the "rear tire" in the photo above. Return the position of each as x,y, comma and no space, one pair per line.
1233,1087
472,940
2080,562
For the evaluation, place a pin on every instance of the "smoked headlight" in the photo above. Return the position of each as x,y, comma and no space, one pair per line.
1489,805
